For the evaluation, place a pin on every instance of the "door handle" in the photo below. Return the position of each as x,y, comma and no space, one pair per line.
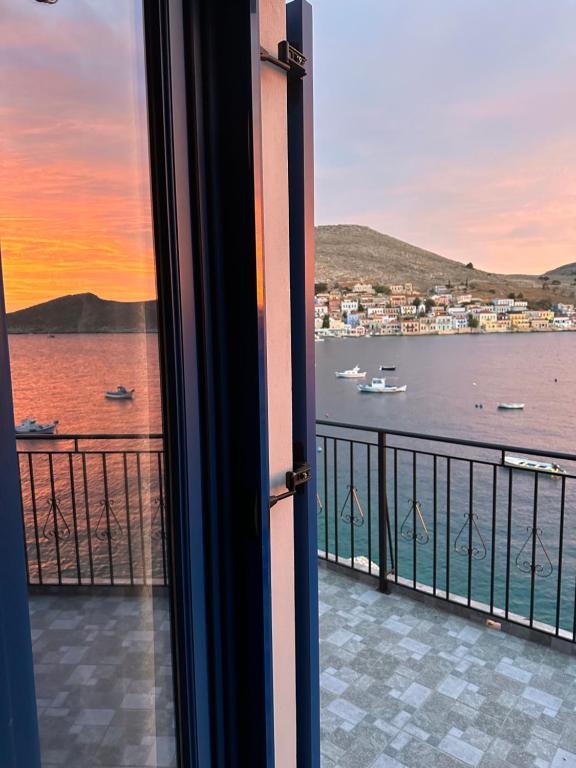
297,477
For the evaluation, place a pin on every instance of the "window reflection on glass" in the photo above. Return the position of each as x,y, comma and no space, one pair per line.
78,259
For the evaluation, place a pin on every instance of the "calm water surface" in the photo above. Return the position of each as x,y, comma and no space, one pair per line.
448,375
65,378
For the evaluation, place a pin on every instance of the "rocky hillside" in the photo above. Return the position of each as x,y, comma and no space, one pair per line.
566,272
85,313
347,253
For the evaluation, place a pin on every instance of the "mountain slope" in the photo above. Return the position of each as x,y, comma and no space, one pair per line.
84,313
347,254
565,272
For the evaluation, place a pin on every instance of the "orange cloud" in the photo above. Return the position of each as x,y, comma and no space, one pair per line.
75,210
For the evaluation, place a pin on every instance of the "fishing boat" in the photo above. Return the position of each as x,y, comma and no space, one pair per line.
121,393
32,427
387,367
353,373
511,406
379,386
550,468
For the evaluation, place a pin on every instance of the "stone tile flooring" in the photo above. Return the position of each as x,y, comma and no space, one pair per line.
103,681
404,685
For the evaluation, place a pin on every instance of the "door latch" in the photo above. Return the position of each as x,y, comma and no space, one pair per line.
297,477
289,58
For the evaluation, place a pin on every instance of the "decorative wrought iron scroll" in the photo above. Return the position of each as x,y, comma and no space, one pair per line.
543,568
52,529
351,517
108,527
462,544
408,530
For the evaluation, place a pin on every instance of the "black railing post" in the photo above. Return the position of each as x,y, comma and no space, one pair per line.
383,522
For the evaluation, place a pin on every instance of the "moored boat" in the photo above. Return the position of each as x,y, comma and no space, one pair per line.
387,367
550,468
511,406
121,393
30,426
379,386
353,373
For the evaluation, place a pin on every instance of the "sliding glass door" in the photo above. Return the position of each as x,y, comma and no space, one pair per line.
80,289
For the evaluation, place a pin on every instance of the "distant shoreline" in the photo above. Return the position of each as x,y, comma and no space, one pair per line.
527,332
81,333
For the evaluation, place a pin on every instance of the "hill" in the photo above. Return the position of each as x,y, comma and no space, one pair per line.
566,272
84,313
348,253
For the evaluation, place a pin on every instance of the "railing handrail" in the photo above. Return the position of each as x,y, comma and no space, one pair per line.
99,436
453,440
335,424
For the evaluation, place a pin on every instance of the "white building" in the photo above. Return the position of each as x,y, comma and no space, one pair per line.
349,305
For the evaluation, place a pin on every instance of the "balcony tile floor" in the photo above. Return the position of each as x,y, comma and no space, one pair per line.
403,685
103,681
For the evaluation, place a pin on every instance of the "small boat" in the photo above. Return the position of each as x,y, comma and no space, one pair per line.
121,393
511,406
32,427
387,367
550,468
353,373
380,386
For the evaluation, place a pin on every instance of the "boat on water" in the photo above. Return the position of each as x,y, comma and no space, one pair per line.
121,393
387,367
511,406
353,373
379,386
30,426
550,468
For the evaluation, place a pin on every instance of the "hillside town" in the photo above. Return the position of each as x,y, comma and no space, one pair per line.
402,310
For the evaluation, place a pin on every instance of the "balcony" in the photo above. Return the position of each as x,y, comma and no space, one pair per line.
464,662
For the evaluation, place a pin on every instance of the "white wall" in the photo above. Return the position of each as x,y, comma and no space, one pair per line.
277,288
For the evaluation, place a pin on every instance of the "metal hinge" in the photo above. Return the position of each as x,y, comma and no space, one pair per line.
300,475
289,58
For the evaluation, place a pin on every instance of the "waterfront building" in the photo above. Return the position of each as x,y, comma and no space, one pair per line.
443,324
563,323
409,326
519,321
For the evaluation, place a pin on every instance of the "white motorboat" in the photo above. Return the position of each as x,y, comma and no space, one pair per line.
390,367
32,427
380,386
121,393
511,406
550,468
353,373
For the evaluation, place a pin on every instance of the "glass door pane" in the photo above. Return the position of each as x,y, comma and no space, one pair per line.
79,265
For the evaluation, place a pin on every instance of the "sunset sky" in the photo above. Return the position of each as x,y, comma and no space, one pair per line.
74,206
447,123
450,124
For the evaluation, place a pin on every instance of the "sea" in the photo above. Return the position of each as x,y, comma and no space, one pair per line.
453,386
65,377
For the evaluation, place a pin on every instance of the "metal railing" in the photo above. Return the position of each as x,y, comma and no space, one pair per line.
445,517
452,519
93,509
